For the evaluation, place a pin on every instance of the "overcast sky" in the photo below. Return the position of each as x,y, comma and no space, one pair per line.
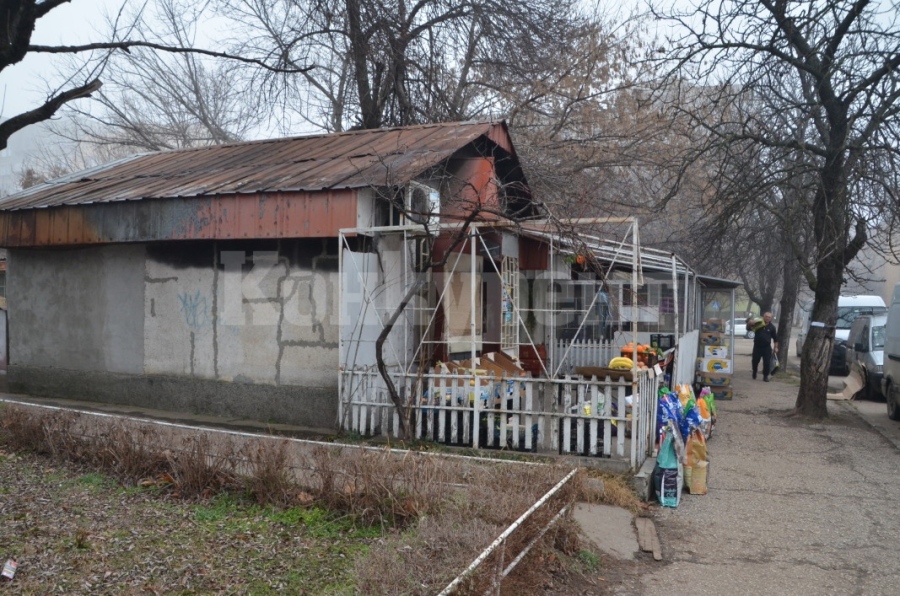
22,86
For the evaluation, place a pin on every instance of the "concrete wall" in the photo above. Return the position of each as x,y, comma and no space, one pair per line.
77,309
235,329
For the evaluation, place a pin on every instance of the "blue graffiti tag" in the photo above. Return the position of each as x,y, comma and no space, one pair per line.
195,309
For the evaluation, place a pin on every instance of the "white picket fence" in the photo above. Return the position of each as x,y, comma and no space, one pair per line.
588,417
579,352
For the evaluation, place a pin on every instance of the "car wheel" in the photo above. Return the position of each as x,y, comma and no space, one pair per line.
750,335
892,410
866,391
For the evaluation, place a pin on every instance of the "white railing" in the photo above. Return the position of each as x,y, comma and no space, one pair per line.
501,570
580,352
589,417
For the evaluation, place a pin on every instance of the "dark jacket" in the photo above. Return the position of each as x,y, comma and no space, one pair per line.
765,334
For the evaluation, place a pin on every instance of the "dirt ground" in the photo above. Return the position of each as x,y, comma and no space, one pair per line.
74,531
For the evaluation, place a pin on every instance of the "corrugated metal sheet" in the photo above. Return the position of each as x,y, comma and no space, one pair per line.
311,163
268,215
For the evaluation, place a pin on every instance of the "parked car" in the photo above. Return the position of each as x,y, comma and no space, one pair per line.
890,383
865,352
740,328
849,307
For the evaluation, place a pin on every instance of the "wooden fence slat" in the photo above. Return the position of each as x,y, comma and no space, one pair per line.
522,413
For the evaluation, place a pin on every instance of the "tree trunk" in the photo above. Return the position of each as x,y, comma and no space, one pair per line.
812,399
790,289
399,405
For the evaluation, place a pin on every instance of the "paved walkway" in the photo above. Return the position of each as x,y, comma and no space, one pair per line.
793,507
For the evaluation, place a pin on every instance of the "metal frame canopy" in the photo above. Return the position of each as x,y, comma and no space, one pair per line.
622,254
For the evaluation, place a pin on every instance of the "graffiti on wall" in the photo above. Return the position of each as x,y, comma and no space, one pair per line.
194,309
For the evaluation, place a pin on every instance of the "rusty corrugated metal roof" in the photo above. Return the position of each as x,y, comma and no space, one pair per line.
310,163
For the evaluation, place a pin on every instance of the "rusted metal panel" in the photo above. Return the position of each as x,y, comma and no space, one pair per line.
75,232
295,218
283,188
59,226
267,215
27,228
202,222
225,209
42,227
340,161
247,218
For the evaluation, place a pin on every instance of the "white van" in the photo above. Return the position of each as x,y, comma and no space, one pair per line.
890,384
865,352
849,307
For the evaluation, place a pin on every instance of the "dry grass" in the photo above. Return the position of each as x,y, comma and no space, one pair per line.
434,514
617,491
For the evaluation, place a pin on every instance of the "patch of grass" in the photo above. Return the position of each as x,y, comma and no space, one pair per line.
589,560
96,481
220,508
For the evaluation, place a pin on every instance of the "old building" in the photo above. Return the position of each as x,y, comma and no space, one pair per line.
206,280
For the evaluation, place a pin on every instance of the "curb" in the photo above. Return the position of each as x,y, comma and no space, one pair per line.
642,481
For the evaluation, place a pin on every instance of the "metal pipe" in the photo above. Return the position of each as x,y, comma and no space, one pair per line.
493,546
476,423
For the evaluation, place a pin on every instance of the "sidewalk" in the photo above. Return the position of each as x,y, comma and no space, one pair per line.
793,507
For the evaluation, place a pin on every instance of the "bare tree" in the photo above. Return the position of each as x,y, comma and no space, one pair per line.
18,22
396,63
152,101
812,84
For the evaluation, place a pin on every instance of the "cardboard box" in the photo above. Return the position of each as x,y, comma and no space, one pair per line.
722,392
714,365
715,351
509,364
712,339
714,379
712,326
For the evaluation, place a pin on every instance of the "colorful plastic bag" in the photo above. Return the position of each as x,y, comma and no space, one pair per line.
696,467
668,476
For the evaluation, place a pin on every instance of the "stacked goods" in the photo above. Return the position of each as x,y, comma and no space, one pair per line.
621,363
714,366
684,423
712,332
647,355
715,351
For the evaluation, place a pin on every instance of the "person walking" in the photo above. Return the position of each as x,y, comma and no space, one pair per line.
765,335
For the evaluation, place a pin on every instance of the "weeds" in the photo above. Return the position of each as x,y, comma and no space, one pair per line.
617,491
590,560
434,514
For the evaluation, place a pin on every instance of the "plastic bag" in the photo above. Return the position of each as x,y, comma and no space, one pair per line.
668,476
690,420
775,364
696,466
707,394
668,410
